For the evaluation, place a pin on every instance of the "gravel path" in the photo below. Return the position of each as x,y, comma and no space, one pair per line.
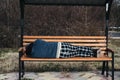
59,76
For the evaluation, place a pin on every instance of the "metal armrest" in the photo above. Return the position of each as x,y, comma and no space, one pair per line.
109,50
21,51
112,53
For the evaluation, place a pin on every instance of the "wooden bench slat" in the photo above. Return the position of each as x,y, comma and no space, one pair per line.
65,40
89,44
25,58
78,44
77,37
98,47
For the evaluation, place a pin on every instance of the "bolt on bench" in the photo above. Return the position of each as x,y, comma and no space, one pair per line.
97,42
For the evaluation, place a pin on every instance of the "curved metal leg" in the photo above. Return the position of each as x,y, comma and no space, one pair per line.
103,68
20,68
113,67
107,68
23,69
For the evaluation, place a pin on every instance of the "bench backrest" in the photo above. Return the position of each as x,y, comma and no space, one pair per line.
90,41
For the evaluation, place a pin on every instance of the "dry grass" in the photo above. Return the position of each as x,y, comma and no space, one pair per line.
115,45
9,62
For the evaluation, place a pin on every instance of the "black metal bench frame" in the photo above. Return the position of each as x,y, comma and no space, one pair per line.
102,3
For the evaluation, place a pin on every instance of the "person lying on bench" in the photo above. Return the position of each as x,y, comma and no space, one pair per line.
43,49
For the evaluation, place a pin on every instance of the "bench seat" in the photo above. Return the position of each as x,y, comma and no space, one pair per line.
25,58
95,42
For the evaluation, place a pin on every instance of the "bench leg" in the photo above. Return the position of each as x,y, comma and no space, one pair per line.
19,69
107,68
113,69
103,68
23,69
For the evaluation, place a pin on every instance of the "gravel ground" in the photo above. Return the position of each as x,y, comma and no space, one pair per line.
58,76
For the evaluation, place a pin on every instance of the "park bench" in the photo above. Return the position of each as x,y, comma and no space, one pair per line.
97,42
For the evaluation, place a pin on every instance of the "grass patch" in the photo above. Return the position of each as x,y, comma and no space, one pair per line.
4,51
9,62
115,42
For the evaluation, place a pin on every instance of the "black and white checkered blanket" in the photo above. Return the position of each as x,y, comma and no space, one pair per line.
68,50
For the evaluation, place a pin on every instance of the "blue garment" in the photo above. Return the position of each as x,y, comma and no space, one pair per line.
42,49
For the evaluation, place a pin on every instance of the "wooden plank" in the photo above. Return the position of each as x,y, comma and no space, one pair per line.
25,58
96,47
89,44
64,40
78,44
64,37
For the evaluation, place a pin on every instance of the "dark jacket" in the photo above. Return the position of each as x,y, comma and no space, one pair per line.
42,49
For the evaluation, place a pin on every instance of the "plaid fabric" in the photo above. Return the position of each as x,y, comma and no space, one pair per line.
68,50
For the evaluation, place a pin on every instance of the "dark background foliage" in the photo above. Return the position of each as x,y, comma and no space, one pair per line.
52,20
